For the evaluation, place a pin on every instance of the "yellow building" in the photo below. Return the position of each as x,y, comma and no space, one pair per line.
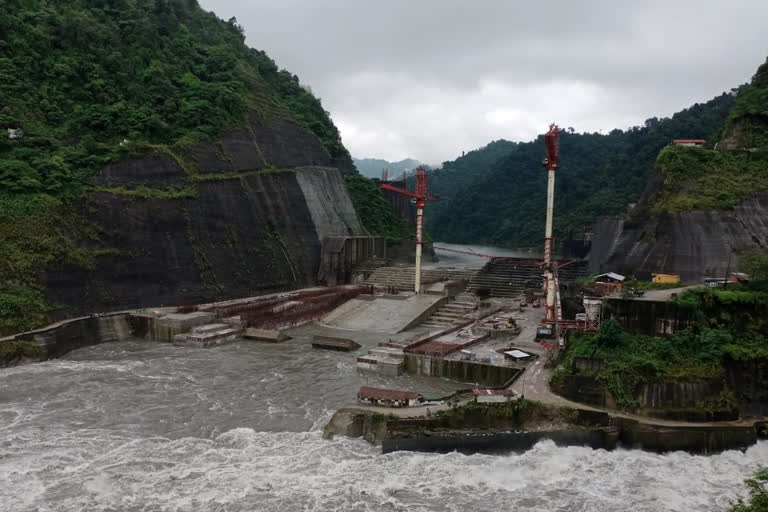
665,278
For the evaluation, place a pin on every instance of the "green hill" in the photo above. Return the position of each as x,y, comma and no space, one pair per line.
504,203
87,82
90,81
707,179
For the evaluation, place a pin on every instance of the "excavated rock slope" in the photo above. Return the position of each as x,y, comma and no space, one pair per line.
693,244
262,201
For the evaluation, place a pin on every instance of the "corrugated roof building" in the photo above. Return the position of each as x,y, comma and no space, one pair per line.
387,397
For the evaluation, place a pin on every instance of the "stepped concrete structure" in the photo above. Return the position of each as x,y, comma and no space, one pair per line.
402,278
508,277
452,313
363,271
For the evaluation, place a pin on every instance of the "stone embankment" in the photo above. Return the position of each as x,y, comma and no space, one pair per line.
475,427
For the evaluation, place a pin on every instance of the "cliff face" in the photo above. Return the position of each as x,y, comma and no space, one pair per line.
255,208
701,207
693,244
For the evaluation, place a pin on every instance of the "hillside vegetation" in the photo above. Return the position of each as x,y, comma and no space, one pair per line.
504,204
731,325
702,179
375,212
87,82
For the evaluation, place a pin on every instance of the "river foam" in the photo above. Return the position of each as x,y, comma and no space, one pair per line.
245,470
144,427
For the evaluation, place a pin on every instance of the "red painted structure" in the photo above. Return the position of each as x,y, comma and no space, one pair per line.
552,140
288,309
421,195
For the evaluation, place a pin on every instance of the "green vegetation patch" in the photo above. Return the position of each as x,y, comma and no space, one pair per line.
703,179
375,212
144,192
35,234
748,120
222,176
757,487
87,83
11,351
730,325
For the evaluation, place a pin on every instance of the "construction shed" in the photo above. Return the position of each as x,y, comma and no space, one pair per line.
492,396
387,397
609,282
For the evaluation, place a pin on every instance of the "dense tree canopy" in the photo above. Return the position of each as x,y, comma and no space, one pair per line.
86,82
79,78
502,201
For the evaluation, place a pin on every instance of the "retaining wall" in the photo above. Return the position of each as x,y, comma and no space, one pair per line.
58,339
464,371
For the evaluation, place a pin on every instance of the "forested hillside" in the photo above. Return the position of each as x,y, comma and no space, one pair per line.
89,81
150,84
504,204
703,205
449,180
691,178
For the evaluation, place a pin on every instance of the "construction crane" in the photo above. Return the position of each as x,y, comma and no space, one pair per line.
550,162
420,197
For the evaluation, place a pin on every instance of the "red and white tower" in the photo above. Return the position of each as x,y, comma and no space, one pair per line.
552,140
421,196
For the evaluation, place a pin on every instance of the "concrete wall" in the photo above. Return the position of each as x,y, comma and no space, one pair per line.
329,205
56,340
647,317
340,255
479,431
464,371
682,401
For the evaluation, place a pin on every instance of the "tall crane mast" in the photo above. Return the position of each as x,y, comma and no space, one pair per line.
552,140
420,196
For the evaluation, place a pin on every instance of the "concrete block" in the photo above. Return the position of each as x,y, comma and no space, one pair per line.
272,336
186,320
332,343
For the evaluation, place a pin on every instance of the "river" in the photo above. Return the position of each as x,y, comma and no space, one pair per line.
140,426
462,259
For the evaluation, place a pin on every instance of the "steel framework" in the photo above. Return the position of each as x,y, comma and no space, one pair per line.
551,161
421,196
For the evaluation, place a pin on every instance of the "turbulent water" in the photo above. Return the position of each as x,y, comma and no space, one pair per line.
137,426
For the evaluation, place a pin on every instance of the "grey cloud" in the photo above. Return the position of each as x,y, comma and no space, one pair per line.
431,78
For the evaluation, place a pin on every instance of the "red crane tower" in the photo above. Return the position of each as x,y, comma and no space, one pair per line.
421,196
551,161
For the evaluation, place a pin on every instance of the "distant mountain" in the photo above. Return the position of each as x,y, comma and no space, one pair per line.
372,167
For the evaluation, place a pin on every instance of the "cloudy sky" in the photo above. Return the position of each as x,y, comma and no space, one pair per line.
429,79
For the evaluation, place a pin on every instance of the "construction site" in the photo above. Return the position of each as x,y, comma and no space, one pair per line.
390,339
477,326
482,328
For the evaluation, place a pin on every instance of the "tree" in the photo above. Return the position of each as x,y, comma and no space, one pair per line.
758,493
754,262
